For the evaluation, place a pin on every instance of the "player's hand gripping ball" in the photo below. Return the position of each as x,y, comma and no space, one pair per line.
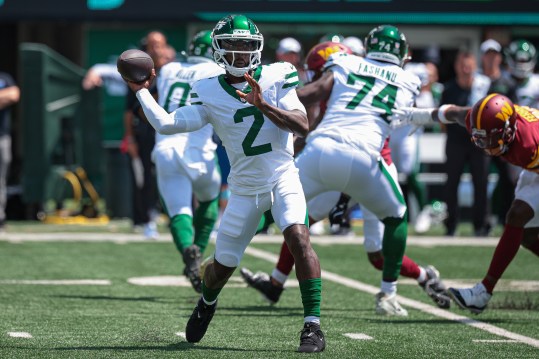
135,65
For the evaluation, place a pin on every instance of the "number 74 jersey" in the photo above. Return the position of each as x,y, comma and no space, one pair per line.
364,94
258,150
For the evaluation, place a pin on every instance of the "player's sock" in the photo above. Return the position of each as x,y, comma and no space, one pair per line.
505,251
210,295
181,227
204,220
286,260
311,296
393,246
409,268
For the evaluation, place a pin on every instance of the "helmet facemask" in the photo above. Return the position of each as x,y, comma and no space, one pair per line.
236,45
496,141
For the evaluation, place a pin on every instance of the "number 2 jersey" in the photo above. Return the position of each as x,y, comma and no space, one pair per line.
258,151
365,92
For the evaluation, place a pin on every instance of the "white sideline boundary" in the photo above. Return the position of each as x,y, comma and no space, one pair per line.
422,241
430,309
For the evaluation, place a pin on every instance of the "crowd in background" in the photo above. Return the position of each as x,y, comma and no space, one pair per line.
495,71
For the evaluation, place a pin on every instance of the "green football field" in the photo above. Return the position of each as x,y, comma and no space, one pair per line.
99,294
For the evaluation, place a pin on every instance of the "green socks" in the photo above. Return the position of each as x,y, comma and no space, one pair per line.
393,246
181,227
204,220
311,296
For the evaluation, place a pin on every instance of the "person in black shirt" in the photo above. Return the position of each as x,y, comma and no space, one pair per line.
465,90
500,82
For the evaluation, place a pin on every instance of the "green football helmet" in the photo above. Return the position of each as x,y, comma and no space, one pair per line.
386,43
331,37
201,45
237,34
521,57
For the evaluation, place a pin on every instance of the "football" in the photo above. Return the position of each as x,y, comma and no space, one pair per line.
135,65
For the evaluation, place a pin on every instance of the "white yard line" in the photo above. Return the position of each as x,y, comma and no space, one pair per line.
20,335
430,309
57,281
358,336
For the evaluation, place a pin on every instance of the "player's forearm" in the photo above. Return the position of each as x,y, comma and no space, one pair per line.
156,115
184,119
294,121
451,114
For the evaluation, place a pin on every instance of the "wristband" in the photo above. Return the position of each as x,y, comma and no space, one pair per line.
441,114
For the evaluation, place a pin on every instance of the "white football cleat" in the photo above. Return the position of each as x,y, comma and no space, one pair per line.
388,305
423,220
474,299
150,230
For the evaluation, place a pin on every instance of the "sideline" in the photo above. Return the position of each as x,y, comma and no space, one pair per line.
421,241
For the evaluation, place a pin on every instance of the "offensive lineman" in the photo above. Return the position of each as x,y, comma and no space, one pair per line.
343,152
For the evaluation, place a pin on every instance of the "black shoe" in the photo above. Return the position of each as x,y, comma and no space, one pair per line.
262,283
199,321
311,339
337,215
192,259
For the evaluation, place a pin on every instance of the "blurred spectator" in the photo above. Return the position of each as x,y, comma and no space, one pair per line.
9,95
139,140
465,89
289,50
355,44
502,83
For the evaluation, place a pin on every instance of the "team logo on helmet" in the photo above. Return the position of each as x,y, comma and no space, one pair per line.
505,113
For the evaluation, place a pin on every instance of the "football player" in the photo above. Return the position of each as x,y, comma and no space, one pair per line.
271,287
255,111
343,152
511,132
521,57
185,162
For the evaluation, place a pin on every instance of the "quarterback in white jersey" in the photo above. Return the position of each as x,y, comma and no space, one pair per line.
254,110
343,152
185,162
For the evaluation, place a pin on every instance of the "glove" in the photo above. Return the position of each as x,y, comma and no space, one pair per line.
410,115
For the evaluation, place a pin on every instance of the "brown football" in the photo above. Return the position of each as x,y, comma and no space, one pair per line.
135,65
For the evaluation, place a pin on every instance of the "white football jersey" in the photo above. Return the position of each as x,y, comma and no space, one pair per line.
365,92
258,150
528,92
174,84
